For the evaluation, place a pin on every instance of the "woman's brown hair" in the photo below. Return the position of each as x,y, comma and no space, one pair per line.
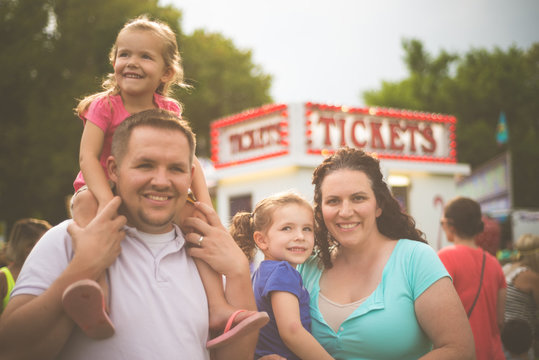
393,222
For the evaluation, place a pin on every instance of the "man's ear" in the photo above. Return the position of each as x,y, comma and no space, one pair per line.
260,240
112,169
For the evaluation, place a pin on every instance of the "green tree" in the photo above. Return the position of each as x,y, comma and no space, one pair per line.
224,80
475,88
55,52
420,90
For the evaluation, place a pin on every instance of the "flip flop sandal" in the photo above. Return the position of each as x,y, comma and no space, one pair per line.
246,326
83,301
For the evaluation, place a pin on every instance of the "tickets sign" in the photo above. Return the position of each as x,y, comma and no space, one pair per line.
250,136
263,133
389,133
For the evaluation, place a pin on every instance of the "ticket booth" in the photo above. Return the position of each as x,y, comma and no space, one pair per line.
276,147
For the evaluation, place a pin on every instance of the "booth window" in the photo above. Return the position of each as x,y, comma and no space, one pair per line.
399,185
401,194
240,203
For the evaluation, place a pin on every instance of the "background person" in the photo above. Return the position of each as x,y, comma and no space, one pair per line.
522,278
477,276
22,238
517,339
158,301
490,238
376,287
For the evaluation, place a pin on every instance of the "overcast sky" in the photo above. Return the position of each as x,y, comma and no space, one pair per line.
330,51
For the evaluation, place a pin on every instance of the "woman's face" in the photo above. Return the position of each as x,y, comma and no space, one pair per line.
349,207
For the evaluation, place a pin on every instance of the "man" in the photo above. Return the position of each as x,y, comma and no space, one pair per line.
157,301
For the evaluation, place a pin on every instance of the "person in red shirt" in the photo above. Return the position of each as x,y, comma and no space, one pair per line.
477,276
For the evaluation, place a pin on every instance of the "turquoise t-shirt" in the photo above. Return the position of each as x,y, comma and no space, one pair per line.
384,326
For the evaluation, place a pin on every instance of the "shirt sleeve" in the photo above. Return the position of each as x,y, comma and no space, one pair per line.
99,113
170,106
425,268
283,278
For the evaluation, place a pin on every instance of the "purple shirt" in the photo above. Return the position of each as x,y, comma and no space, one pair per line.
278,276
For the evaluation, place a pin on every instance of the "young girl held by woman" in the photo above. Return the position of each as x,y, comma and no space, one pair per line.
281,226
146,64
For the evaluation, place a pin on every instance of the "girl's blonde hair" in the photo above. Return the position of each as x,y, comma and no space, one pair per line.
244,224
171,57
528,251
22,238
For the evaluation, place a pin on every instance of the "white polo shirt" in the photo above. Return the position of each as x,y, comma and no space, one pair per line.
157,303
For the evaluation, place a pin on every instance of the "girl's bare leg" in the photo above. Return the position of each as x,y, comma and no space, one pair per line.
83,211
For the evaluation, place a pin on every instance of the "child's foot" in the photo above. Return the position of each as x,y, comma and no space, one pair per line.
221,315
83,301
235,328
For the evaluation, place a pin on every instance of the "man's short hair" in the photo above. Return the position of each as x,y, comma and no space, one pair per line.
154,118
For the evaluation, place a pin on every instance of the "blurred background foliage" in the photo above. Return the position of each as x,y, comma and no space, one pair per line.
56,51
476,87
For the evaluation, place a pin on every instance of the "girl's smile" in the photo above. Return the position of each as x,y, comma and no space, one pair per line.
139,67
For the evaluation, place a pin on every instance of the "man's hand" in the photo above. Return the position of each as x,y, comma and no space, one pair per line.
98,244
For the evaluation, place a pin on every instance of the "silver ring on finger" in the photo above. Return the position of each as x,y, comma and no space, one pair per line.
200,240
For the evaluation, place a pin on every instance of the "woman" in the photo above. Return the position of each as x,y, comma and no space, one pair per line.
477,276
523,285
377,290
22,238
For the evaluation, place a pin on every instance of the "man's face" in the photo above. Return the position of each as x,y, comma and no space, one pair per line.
152,178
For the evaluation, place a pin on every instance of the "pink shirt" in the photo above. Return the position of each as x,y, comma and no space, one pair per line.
107,113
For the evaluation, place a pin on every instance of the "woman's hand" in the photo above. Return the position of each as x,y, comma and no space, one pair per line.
217,247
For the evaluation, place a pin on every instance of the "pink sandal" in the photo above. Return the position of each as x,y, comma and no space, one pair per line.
83,301
246,326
